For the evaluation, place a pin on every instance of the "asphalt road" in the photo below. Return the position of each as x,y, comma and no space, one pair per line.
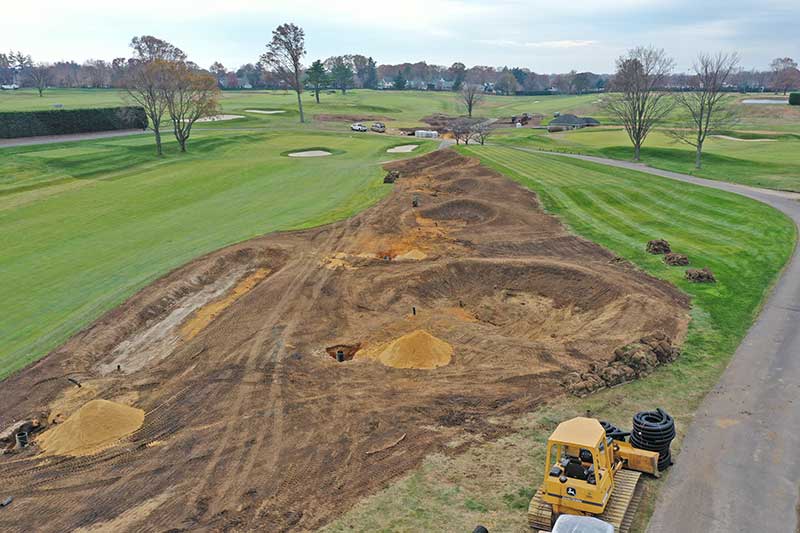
739,465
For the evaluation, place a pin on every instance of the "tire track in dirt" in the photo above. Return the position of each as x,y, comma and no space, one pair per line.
248,454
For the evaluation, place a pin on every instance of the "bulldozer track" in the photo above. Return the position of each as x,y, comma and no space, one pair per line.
620,510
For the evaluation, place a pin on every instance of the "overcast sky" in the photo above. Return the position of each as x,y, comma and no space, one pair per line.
545,36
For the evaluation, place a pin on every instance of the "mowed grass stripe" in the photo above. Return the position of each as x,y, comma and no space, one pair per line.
611,197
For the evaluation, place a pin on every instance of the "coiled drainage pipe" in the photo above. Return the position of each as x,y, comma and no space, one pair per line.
613,431
654,431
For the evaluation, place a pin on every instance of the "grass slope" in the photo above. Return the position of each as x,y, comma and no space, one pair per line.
770,161
84,225
744,242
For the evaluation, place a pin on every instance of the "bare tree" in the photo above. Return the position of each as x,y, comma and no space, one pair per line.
462,130
471,96
708,109
190,95
641,100
481,132
39,76
784,74
144,84
284,54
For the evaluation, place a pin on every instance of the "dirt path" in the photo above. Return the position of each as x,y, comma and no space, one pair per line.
251,425
51,139
737,469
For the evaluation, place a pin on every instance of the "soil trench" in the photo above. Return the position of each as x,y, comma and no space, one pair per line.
273,403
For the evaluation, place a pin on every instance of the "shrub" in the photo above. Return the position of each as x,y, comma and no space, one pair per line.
62,121
794,98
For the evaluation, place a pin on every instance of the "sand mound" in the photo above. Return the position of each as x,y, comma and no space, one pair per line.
310,153
418,349
91,428
413,255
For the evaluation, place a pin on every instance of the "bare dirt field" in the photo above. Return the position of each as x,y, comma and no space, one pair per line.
250,421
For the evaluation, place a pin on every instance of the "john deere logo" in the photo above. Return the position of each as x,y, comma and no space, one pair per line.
571,491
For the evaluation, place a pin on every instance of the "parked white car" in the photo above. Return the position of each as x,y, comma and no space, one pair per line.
358,127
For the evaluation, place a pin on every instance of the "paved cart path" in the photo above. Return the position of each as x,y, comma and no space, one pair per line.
738,469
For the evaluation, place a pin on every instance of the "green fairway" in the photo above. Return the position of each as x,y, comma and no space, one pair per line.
84,225
744,242
402,108
758,160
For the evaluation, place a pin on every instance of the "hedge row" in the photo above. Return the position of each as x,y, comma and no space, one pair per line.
794,98
62,121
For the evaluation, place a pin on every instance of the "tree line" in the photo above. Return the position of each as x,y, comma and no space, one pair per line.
358,71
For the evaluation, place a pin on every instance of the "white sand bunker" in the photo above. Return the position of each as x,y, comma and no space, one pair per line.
217,118
262,112
404,149
310,153
737,139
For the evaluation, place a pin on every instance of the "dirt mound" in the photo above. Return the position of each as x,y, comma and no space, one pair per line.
96,425
469,211
253,421
700,275
443,123
418,349
631,361
658,246
673,259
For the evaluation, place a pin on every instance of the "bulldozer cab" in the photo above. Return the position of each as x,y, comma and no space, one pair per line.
578,478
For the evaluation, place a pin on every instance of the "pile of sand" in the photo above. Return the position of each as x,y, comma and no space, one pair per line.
96,425
418,349
412,255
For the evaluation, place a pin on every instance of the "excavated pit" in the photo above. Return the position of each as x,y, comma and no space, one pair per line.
483,308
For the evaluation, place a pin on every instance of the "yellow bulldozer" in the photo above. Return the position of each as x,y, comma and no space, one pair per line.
592,474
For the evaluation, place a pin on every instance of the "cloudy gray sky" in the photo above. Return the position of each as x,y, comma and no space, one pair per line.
544,35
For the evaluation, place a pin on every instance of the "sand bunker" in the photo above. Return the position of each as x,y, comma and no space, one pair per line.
418,349
217,118
310,153
404,149
263,112
737,139
93,427
205,315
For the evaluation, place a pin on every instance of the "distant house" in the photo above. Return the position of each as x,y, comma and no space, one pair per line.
571,122
444,85
418,85
385,84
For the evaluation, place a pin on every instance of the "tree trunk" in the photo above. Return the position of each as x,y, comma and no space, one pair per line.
637,148
698,158
316,93
300,105
157,133
42,90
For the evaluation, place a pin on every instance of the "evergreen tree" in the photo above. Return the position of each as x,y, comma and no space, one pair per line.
317,77
400,81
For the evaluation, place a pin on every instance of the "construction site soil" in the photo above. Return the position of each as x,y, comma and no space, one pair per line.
252,422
